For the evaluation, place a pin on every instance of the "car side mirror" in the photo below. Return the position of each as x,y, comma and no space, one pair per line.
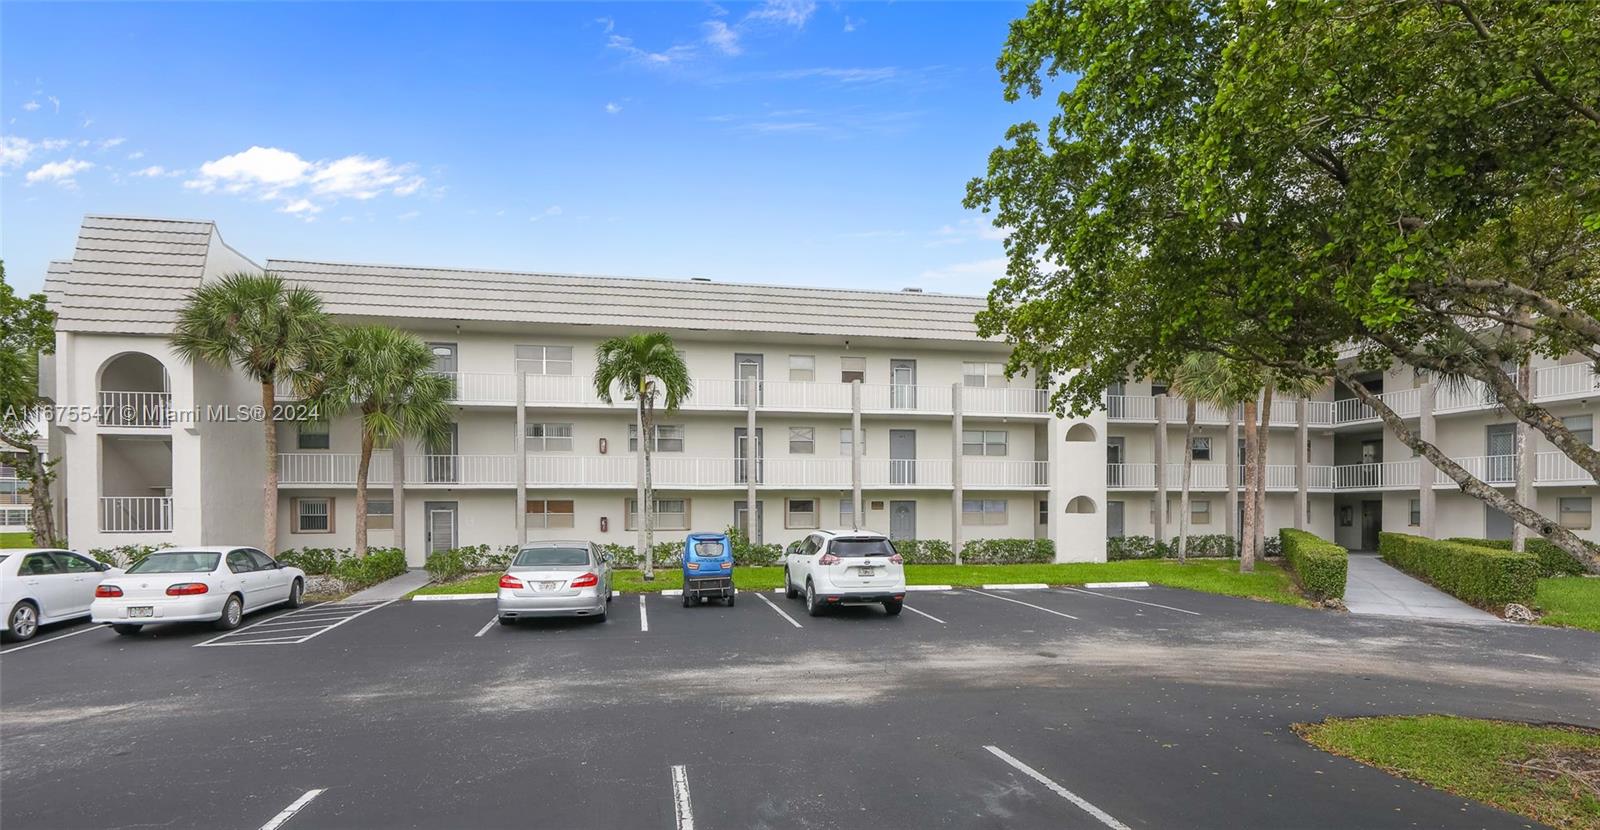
101,566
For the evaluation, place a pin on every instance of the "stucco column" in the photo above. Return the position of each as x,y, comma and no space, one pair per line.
752,517
1427,521
856,518
397,461
1159,515
521,463
955,471
1302,464
1231,458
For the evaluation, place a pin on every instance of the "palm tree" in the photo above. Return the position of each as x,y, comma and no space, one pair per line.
265,328
386,376
643,366
1187,382
1223,383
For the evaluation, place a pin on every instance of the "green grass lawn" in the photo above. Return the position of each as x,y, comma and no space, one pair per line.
1471,758
1269,582
1571,601
17,539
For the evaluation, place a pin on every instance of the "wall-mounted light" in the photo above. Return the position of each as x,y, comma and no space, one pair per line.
603,447
605,524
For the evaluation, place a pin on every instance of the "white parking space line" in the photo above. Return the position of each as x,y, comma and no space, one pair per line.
780,611
368,610
1104,817
1136,601
317,620
1020,602
681,808
1018,586
644,616
86,629
289,811
923,613
488,625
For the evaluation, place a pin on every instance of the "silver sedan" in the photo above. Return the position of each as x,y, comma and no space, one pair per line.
555,579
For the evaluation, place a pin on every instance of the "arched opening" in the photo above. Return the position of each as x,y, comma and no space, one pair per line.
1081,432
1081,504
134,392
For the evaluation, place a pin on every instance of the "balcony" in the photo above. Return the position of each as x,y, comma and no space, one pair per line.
136,514
138,410
1550,469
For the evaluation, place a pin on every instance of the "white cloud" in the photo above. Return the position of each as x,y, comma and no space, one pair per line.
112,142
255,167
360,177
612,108
30,106
553,210
151,172
55,102
305,187
15,150
786,12
844,75
976,273
723,38
852,23
607,24
63,173
676,54
966,230
136,155
301,207
409,215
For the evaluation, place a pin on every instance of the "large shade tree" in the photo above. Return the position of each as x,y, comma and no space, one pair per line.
643,367
27,330
1275,182
265,328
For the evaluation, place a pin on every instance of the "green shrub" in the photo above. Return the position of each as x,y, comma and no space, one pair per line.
1136,547
925,551
1483,576
124,556
752,555
316,561
1553,561
379,564
1320,566
1007,551
1207,546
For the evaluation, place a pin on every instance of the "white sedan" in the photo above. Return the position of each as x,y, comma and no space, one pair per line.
218,585
845,567
43,585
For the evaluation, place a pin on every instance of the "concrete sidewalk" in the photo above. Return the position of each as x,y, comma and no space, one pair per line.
392,588
1373,587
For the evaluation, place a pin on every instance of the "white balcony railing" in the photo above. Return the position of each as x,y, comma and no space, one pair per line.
135,514
1557,468
1571,380
148,410
995,472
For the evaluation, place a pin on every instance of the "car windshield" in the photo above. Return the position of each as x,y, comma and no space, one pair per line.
861,547
3,556
544,557
708,547
176,562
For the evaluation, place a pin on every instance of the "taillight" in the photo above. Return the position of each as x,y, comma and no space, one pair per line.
727,566
896,560
186,589
585,581
828,559
693,566
108,591
509,581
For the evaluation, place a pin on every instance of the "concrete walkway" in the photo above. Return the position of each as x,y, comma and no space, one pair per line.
392,588
1374,587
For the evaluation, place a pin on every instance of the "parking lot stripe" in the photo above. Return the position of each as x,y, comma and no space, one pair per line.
1104,817
929,588
1018,586
780,611
1136,601
1020,602
644,616
369,609
681,807
488,625
450,597
90,627
289,811
923,613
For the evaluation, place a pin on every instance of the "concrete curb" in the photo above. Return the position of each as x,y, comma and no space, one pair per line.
1116,584
1020,586
449,597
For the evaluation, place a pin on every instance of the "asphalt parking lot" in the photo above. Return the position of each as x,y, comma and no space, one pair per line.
1136,708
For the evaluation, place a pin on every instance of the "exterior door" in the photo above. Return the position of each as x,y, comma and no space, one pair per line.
443,466
745,367
902,456
902,520
740,519
1500,444
1114,526
740,453
444,357
1116,452
903,384
1371,524
1496,525
441,525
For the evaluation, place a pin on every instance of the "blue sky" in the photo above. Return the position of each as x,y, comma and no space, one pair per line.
784,142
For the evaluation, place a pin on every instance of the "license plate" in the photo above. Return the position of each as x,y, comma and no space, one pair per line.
865,571
142,611
549,586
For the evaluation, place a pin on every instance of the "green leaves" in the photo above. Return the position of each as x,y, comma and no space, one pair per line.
257,323
386,377
646,363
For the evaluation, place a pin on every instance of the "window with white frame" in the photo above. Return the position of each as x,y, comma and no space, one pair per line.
380,513
544,360
847,513
1044,511
1416,513
983,442
846,437
550,512
669,438
800,513
983,511
1200,448
1200,511
313,435
803,367
1581,427
983,374
1577,512
313,515
549,437
852,368
802,440
671,514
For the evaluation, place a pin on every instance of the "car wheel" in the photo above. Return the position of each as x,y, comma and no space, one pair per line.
601,617
126,629
24,621
508,620
232,614
788,587
730,600
297,593
813,605
609,592
688,600
893,606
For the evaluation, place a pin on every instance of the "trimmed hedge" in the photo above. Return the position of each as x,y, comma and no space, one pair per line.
449,564
123,556
1202,546
379,564
1485,577
1553,561
1320,566
925,551
1007,551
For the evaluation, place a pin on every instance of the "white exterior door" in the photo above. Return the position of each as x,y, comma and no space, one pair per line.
441,525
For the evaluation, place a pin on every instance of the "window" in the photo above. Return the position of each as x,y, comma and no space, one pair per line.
544,360
1416,512
983,374
556,512
553,557
549,437
1158,388
38,564
1200,449
983,442
263,561
313,435
847,513
239,562
852,368
671,514
313,515
845,435
669,438
801,513
739,517
74,564
983,511
1581,427
803,367
1200,511
1577,513
1044,511
380,513
802,440
444,357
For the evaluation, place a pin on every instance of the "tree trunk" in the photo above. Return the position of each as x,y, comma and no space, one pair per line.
269,492
1263,442
361,494
1188,477
1247,544
1471,485
42,515
641,549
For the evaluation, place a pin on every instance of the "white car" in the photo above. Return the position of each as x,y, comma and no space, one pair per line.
40,586
218,585
838,567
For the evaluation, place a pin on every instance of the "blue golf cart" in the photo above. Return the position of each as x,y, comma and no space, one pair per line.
707,568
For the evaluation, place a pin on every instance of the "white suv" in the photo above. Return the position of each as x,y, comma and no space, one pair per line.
835,567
